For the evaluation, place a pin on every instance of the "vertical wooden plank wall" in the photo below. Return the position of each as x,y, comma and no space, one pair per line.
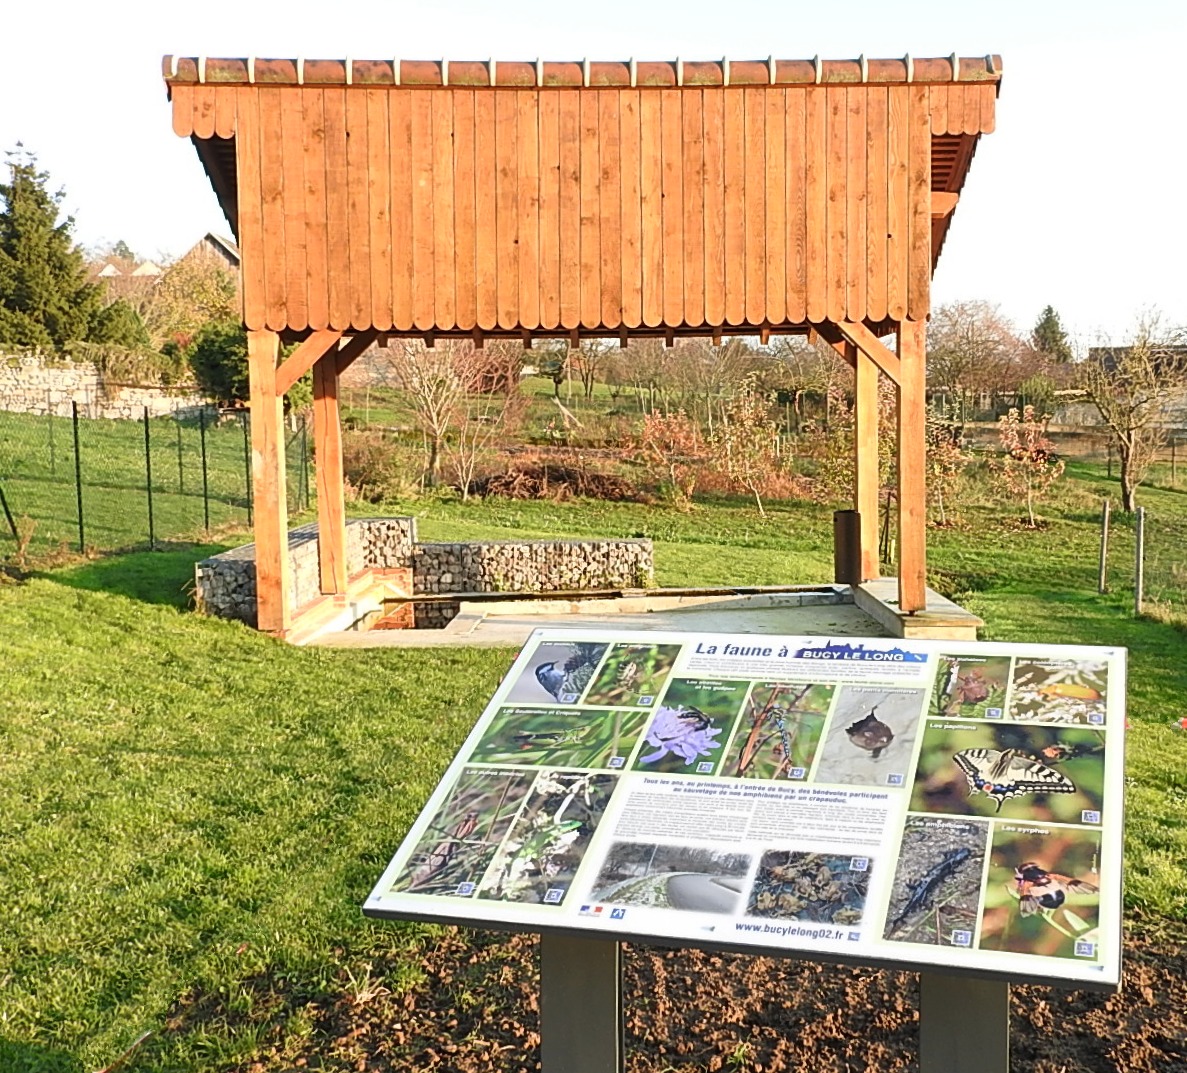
460,209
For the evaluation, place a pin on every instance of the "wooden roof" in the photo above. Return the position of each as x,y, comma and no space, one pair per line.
449,197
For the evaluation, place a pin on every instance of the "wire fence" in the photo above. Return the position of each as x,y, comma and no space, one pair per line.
76,482
1165,561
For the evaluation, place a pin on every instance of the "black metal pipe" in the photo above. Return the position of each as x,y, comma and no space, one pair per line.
847,547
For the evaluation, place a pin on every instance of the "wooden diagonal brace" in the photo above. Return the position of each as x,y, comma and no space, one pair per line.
352,348
301,360
830,334
873,347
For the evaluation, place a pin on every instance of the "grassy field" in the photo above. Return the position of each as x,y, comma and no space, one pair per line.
193,813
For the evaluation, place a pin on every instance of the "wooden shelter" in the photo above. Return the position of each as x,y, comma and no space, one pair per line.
528,200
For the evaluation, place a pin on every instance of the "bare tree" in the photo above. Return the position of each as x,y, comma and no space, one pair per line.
588,360
800,368
436,381
969,347
1132,387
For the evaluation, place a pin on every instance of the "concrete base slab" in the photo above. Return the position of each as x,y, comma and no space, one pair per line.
821,612
940,620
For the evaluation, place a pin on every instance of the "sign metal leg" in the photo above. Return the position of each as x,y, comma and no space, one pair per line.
581,1025
964,1025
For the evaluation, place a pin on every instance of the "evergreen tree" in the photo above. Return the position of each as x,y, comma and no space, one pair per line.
45,299
1049,338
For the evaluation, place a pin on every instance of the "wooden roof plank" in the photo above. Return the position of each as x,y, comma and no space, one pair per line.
485,210
837,156
651,211
897,202
550,180
776,205
610,207
570,208
337,208
671,103
629,209
590,183
465,223
876,208
756,203
856,199
734,131
816,171
528,184
797,206
317,239
399,140
292,148
919,206
444,311
713,149
379,212
272,199
358,207
250,208
693,195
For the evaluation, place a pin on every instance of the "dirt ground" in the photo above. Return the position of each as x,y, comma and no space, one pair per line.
476,1011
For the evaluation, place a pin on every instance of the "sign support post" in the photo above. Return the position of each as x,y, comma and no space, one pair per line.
581,1025
964,1024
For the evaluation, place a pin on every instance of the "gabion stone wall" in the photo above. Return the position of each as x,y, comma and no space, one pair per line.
532,566
225,585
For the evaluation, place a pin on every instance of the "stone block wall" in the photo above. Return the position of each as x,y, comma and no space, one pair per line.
225,585
36,384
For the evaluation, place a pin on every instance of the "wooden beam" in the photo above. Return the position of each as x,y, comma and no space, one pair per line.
870,345
301,360
867,483
830,334
912,461
331,500
352,348
273,614
942,203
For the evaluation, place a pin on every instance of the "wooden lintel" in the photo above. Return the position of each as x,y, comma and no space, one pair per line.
873,347
942,203
351,349
301,360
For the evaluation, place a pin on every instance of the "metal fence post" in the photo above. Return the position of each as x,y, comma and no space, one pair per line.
180,466
152,536
304,463
1139,566
205,472
1102,581
77,475
247,466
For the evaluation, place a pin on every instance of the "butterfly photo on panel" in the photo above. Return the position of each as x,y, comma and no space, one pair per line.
1033,772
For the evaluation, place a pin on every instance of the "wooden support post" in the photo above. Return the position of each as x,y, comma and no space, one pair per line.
964,1025
866,480
581,1023
268,491
912,466
327,452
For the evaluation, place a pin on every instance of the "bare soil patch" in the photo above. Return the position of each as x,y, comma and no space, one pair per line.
476,1011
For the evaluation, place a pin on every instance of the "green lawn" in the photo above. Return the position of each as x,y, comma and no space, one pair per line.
193,813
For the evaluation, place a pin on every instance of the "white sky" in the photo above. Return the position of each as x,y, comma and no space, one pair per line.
1077,200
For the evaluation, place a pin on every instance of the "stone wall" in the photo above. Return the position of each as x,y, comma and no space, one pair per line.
225,585
35,384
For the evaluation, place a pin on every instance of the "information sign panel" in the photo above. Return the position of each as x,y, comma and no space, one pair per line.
918,804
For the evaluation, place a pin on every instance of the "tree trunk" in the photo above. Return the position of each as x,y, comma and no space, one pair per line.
434,463
1129,486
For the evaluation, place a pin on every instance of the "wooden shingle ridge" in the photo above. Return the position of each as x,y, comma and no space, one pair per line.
596,74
